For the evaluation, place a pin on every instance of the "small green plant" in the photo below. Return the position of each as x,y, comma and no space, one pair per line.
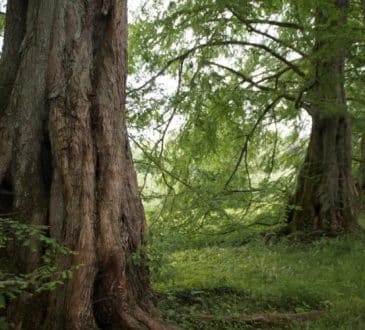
46,277
155,255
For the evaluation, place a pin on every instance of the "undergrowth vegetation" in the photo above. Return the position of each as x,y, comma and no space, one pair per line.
227,286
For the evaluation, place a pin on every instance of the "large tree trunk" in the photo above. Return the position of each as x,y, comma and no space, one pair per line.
326,196
64,149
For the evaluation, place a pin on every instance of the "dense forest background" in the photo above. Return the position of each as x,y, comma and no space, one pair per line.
246,121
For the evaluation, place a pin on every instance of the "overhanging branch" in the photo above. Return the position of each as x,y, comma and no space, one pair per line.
249,135
289,25
250,80
250,27
192,50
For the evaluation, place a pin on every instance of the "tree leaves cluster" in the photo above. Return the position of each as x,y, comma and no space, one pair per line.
229,129
220,101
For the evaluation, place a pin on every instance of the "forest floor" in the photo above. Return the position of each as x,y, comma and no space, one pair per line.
248,284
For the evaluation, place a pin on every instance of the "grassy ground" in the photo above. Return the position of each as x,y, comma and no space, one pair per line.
206,288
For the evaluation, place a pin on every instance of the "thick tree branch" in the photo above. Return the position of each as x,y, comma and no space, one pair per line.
250,27
289,25
275,76
267,49
192,50
245,78
277,40
196,10
241,75
276,23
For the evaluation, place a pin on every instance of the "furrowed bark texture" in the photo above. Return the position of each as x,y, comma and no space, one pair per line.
325,198
70,164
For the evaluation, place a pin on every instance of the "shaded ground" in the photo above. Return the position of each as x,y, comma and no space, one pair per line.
220,287
228,308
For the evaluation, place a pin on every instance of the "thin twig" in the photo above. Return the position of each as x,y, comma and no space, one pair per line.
249,136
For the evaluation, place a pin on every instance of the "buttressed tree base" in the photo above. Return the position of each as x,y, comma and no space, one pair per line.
64,149
325,197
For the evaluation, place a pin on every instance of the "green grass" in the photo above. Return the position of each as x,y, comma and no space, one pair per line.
255,278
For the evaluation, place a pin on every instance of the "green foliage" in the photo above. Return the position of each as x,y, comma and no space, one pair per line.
217,98
214,142
30,239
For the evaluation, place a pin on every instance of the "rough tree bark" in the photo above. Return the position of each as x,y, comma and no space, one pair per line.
65,156
325,197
